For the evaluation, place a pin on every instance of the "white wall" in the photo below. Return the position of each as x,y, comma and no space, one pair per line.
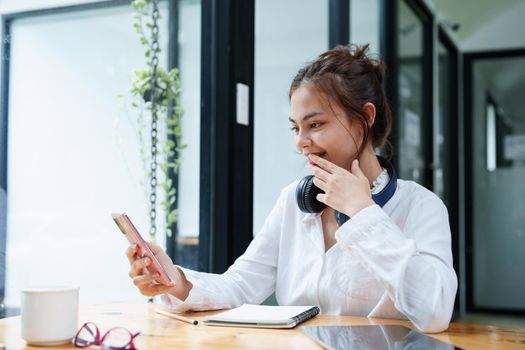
284,42
501,32
484,24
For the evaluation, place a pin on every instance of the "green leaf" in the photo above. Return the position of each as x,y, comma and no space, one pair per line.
172,217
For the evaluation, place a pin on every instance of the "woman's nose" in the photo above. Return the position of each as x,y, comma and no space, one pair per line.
302,141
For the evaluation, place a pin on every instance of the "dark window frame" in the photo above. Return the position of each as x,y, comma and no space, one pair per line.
338,22
226,175
454,159
389,48
4,54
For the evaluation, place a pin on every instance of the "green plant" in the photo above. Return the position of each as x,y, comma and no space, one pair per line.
155,94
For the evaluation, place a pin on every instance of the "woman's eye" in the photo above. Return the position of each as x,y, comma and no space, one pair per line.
295,129
315,125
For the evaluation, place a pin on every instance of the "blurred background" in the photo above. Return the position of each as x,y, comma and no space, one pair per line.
70,146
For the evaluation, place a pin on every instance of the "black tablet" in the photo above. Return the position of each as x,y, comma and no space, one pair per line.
382,337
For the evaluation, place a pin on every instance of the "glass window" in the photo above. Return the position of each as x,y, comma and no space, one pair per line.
284,42
410,119
443,132
189,42
73,152
364,23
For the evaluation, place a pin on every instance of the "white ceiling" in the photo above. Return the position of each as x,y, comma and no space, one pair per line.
491,25
483,24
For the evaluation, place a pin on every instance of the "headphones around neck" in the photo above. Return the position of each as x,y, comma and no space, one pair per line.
306,193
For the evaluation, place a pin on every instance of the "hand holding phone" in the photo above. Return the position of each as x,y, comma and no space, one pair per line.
133,236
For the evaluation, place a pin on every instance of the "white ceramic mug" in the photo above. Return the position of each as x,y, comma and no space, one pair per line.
49,314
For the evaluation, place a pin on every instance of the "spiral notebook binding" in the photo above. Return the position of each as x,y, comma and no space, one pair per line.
306,315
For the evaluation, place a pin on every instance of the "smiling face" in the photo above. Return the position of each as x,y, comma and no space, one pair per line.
322,128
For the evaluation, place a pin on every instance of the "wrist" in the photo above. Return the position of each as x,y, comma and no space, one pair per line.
185,290
357,207
182,286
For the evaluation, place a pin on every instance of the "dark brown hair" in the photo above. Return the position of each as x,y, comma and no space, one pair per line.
350,78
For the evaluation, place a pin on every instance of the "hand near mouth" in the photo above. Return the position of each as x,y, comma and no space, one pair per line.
345,191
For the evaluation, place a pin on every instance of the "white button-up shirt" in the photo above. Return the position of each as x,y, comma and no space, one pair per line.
393,262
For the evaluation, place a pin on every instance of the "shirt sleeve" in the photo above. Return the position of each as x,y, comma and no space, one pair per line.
414,265
251,279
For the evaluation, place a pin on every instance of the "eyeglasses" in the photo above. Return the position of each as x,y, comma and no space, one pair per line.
117,338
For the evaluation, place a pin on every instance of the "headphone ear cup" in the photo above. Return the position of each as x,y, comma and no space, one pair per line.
305,195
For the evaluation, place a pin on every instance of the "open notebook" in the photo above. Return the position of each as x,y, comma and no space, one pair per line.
263,316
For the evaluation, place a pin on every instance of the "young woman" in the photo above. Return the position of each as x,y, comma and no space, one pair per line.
391,258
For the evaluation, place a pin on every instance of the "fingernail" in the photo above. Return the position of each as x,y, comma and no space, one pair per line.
146,261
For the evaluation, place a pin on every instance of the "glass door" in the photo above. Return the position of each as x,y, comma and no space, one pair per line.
496,191
414,111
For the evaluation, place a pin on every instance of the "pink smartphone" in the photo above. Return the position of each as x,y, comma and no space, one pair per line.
134,237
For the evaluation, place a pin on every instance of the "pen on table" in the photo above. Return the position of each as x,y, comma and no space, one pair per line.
177,317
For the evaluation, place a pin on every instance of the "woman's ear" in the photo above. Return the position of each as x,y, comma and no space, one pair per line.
370,111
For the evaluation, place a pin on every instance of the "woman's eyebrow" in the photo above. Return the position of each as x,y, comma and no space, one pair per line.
306,117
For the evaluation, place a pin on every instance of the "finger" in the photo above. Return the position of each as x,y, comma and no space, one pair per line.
320,173
155,248
131,253
320,183
321,197
143,281
356,170
137,267
148,284
157,289
154,289
323,163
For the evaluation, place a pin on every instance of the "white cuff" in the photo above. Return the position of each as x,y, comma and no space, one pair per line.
196,300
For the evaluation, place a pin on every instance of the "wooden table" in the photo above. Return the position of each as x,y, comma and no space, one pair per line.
159,332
